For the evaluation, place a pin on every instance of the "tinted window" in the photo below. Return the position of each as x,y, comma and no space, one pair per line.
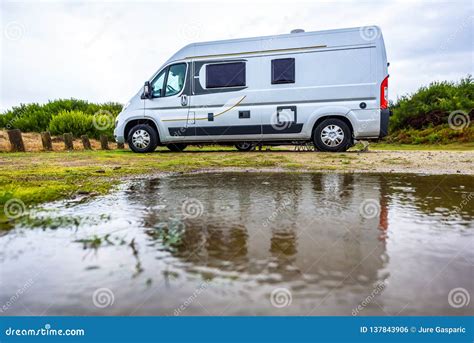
225,75
283,70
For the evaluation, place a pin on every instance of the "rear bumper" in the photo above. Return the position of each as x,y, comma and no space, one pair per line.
384,120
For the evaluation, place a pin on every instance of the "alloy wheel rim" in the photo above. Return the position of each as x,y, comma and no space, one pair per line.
332,135
141,139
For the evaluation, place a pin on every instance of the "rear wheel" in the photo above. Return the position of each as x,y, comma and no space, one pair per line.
142,138
244,146
177,147
332,135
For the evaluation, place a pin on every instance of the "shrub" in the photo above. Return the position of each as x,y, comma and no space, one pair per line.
35,118
441,134
76,122
431,105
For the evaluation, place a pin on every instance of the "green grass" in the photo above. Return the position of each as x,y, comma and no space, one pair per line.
423,147
40,177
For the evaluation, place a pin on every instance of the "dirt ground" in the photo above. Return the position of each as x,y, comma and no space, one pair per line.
374,161
379,158
429,162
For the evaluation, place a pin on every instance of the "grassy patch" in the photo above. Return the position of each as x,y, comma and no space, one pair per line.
40,177
423,147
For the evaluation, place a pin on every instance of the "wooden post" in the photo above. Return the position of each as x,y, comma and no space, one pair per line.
68,144
46,140
86,143
120,146
16,141
104,142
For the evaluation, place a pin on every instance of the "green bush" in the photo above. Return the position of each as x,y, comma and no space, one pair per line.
422,117
35,118
432,105
441,134
79,123
76,122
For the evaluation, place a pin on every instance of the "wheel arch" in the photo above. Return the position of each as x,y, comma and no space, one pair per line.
327,112
136,121
332,116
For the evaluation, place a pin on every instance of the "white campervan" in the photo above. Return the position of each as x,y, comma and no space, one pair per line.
325,87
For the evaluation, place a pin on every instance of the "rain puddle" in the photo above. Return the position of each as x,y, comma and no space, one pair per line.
248,244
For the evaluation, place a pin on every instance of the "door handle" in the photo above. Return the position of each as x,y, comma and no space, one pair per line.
184,100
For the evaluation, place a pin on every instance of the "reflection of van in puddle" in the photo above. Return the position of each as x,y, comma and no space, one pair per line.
314,223
326,87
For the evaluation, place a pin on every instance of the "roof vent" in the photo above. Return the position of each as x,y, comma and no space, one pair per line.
297,31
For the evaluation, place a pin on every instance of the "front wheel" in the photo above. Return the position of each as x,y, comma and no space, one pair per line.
177,147
244,146
332,135
142,138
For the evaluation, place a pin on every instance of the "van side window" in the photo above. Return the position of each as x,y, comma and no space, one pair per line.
225,75
157,84
169,81
283,70
175,80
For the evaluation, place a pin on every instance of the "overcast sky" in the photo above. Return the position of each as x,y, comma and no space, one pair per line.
104,50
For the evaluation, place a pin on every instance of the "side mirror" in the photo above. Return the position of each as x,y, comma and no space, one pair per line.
147,91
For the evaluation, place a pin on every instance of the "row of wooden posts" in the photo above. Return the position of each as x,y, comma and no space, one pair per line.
16,141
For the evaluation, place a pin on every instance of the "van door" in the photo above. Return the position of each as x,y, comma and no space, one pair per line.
170,103
281,117
220,91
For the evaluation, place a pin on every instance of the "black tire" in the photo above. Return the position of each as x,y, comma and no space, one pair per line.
245,146
332,135
149,140
177,147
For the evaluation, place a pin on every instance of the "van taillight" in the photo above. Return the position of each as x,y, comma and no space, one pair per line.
384,94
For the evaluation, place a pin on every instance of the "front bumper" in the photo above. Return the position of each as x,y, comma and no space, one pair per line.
384,120
118,133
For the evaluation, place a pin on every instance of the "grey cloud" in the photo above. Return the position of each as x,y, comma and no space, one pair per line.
103,51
